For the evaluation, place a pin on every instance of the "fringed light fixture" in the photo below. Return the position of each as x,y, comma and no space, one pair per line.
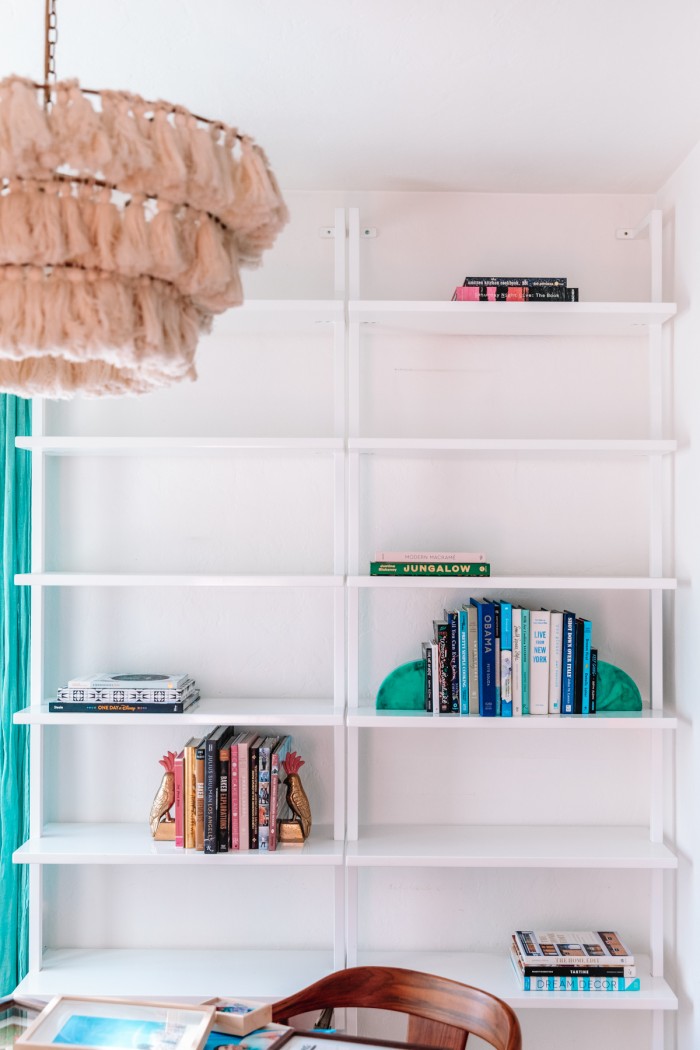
123,227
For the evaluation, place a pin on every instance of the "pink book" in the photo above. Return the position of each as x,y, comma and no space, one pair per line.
466,294
180,800
233,798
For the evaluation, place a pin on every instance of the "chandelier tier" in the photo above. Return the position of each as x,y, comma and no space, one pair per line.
123,227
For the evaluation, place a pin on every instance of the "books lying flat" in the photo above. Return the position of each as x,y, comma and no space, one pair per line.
166,708
429,556
541,968
130,680
124,696
569,947
429,568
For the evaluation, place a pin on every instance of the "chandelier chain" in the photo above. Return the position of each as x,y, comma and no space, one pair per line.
50,42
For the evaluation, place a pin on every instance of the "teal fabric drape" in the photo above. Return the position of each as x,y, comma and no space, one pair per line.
15,505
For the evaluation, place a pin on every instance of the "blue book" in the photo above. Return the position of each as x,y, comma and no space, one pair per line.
497,651
452,619
463,663
525,619
586,671
487,656
506,659
568,664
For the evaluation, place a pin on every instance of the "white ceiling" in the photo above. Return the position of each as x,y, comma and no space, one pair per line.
482,95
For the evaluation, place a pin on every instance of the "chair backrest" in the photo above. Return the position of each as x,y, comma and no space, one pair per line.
441,1013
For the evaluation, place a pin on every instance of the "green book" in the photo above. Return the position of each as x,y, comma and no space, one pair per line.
429,568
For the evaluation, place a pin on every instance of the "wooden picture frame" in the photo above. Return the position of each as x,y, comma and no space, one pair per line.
82,1023
240,1016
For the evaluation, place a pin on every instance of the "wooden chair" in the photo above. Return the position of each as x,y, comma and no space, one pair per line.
441,1013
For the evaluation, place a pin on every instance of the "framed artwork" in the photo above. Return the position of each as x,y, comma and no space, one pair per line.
15,1017
240,1016
118,1024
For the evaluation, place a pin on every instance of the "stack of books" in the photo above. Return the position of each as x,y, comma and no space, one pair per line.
123,693
515,290
429,563
566,961
494,658
227,791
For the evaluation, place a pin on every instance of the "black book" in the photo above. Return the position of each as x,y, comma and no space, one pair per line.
443,667
515,282
224,791
428,657
452,620
594,681
176,708
211,788
253,763
578,666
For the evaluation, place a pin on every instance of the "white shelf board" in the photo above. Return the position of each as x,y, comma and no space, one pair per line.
494,973
542,583
401,446
368,717
176,972
133,844
280,317
533,319
208,712
134,579
487,846
166,446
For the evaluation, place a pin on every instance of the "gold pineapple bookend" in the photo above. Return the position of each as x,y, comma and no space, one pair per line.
296,830
160,820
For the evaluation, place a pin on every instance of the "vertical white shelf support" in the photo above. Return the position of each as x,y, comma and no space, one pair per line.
36,683
652,226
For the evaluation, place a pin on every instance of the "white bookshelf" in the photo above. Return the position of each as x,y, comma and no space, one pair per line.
129,844
520,319
463,846
404,334
366,716
350,846
190,973
496,973
207,712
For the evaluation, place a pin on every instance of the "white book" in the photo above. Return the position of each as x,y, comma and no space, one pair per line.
517,666
539,661
556,637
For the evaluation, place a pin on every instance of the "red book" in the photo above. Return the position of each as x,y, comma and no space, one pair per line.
180,800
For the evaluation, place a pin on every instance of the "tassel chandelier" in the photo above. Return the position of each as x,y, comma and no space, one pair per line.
123,227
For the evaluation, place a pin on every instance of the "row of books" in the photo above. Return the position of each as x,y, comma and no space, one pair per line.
429,563
515,290
109,692
495,658
227,791
573,961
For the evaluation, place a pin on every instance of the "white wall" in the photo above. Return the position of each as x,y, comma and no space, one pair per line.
680,200
264,514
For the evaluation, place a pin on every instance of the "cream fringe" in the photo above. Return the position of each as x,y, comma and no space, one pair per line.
161,151
86,331
104,289
44,224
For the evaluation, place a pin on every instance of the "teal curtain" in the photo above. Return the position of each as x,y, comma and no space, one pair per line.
15,505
